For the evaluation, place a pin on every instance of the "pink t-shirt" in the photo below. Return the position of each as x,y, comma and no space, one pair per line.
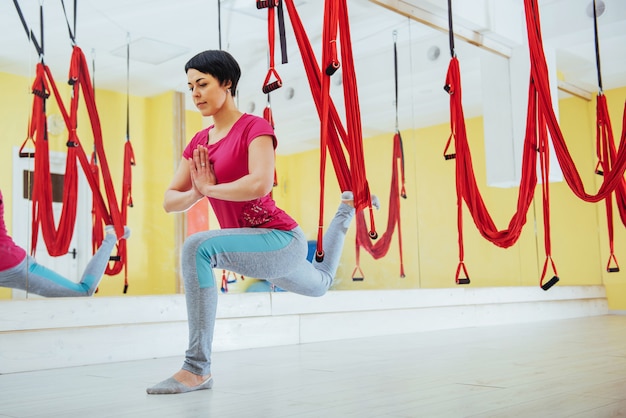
229,157
10,254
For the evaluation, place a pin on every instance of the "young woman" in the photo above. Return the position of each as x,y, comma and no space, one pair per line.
232,164
20,271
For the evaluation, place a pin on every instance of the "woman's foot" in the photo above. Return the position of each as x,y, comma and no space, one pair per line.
189,379
110,229
347,198
183,381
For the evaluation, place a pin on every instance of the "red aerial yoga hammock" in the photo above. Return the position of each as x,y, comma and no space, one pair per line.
363,239
58,239
350,177
540,120
397,190
605,152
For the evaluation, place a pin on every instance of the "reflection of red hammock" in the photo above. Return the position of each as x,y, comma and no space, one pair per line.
58,240
363,239
607,155
540,120
381,247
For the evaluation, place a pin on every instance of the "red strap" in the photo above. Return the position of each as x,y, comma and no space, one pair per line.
544,161
356,270
457,277
224,287
609,268
605,151
271,73
620,191
352,176
57,239
121,261
267,115
545,269
79,71
449,155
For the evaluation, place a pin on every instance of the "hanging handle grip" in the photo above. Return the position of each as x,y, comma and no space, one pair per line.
265,4
359,278
550,283
457,278
268,88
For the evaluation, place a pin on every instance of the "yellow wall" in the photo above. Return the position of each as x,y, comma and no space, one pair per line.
579,238
151,265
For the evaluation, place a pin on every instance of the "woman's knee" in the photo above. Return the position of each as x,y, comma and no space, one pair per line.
193,242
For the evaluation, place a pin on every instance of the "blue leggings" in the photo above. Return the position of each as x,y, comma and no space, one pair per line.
35,278
277,256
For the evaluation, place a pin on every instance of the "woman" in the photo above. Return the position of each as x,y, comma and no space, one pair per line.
20,271
232,164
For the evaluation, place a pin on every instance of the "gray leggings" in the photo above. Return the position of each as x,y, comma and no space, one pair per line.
35,278
277,256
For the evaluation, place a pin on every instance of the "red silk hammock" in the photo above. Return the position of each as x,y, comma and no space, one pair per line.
57,239
333,135
397,190
540,120
606,153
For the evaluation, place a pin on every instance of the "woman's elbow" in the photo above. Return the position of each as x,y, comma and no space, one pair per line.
168,205
264,188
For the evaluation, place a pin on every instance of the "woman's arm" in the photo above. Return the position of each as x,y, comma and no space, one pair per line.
181,193
257,183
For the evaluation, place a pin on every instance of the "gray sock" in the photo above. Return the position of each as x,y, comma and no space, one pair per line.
172,386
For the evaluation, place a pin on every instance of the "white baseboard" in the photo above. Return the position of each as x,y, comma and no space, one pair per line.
51,333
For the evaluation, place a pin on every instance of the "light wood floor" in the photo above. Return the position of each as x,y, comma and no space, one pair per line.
566,368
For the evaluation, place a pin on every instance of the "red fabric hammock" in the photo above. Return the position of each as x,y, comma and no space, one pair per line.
540,120
58,239
116,216
397,190
350,177
539,72
606,153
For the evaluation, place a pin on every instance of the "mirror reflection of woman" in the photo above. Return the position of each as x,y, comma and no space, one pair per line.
18,270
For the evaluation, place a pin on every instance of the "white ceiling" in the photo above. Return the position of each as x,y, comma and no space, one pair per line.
185,27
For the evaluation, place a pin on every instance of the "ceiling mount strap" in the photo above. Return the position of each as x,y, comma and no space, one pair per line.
29,32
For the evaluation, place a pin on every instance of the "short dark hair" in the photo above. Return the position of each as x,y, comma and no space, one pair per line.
220,64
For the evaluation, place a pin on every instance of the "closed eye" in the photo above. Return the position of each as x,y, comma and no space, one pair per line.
198,85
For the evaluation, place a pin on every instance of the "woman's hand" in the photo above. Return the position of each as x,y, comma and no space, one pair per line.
202,174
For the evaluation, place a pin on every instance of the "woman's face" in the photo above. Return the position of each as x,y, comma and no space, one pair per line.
207,92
